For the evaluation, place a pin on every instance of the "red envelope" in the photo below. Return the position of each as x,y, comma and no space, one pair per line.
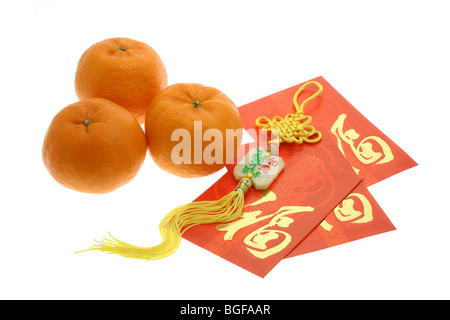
358,216
275,221
351,142
344,210
369,151
364,216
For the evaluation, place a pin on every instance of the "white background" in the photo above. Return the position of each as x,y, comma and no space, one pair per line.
390,59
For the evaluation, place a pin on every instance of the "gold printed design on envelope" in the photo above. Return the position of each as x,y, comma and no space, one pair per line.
364,151
257,241
347,211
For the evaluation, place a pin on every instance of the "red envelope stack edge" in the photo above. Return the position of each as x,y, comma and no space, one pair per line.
370,152
274,221
357,216
320,199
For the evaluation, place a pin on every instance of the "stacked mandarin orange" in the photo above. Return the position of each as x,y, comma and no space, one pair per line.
98,144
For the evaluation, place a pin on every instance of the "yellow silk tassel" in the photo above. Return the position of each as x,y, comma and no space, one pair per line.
178,221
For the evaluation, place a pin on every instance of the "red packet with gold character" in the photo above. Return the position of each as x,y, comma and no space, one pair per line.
351,142
369,151
356,217
276,220
321,199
